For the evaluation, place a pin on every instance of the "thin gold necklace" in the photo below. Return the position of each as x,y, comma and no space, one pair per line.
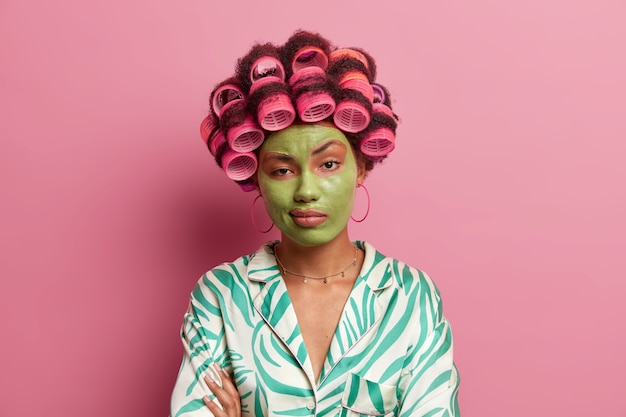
324,279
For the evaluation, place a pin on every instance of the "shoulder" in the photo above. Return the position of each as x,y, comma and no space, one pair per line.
378,265
235,274
384,271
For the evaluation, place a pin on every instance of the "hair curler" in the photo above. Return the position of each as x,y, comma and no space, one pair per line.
312,105
379,94
239,166
267,66
275,112
226,96
247,185
216,141
245,136
207,126
351,113
356,80
348,53
351,116
378,142
382,140
309,56
211,134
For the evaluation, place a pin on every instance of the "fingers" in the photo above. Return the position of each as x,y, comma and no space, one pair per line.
214,407
226,393
228,385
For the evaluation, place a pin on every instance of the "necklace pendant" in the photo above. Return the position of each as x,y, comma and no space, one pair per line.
343,274
325,281
304,279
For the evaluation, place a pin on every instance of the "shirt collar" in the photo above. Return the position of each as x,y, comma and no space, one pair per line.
376,267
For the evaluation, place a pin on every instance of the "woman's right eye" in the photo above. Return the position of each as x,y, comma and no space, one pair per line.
281,172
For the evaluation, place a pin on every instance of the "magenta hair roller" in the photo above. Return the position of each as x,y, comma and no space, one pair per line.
226,96
313,106
211,134
246,136
267,66
206,128
309,56
239,166
275,112
216,141
379,94
247,186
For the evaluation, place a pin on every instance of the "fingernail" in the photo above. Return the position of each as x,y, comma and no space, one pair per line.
217,366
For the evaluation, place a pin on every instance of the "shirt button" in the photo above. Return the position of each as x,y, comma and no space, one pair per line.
310,406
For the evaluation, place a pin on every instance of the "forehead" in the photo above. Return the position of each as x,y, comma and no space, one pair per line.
300,140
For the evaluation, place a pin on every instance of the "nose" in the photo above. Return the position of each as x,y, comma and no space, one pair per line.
308,187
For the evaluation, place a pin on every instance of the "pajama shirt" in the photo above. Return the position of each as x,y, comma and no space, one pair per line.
391,354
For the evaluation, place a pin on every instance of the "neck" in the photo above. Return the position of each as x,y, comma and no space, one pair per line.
319,260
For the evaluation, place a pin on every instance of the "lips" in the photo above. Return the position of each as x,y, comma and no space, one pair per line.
308,218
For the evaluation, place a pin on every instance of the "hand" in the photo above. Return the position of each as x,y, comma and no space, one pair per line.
226,394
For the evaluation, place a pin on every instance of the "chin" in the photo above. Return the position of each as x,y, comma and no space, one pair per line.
312,238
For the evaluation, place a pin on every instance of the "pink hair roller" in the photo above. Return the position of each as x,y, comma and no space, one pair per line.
378,142
246,136
382,108
313,106
207,126
307,76
275,112
239,166
267,66
356,80
216,141
226,96
309,56
351,116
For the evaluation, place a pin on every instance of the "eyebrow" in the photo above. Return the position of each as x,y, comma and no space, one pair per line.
280,157
324,147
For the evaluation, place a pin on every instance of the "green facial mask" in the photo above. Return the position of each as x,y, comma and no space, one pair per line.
307,176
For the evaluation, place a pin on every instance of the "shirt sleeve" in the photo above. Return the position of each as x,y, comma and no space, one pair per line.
430,381
202,335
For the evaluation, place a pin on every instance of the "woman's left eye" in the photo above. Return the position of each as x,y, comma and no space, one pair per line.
330,165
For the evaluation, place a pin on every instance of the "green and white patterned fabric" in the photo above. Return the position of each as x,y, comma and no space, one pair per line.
391,354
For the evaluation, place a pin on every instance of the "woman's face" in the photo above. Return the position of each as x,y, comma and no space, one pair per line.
307,176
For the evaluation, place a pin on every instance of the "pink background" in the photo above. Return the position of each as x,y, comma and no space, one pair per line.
507,187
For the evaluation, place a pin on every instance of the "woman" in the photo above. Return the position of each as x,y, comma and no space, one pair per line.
313,324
